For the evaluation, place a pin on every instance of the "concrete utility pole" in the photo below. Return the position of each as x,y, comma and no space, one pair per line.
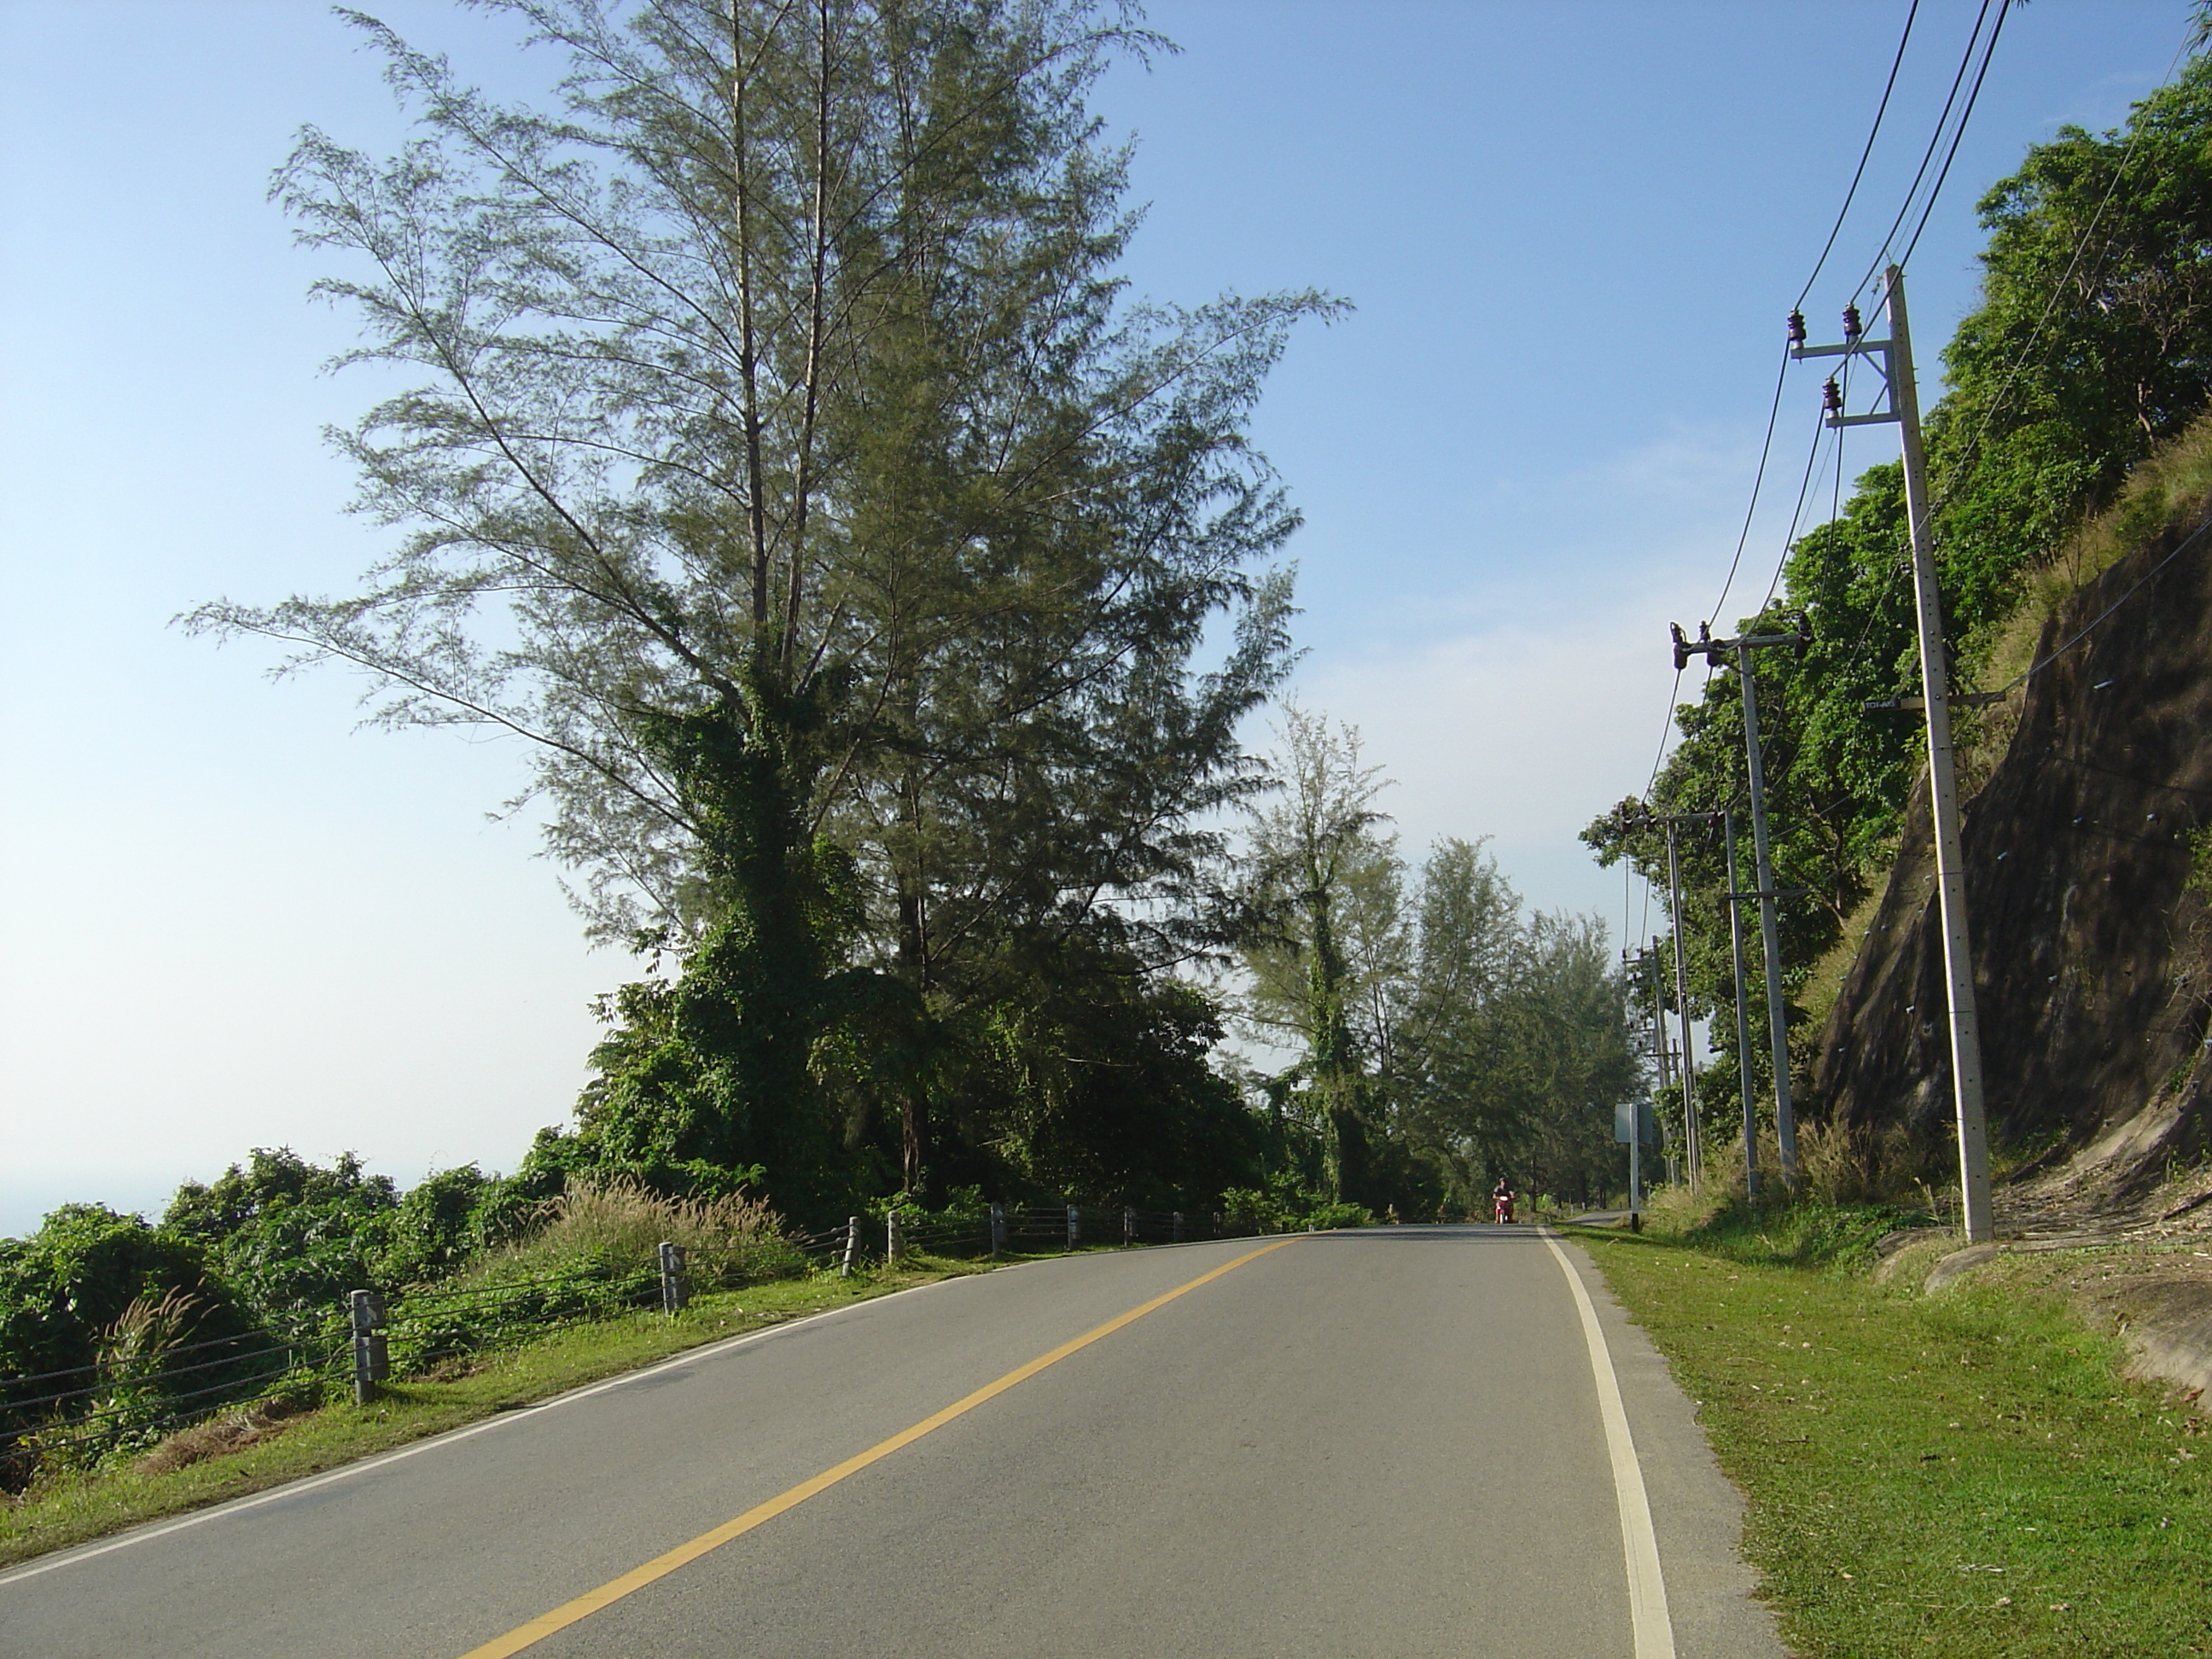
1742,1018
1671,1146
1777,1027
1692,1141
1636,1119
1693,1138
1893,360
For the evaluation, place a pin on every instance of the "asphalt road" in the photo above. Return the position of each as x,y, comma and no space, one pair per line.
1383,1442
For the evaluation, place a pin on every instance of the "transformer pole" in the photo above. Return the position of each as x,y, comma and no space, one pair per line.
1894,364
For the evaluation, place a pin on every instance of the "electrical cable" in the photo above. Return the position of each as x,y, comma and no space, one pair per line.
1859,172
1781,373
1936,138
1759,479
2058,288
1958,133
1972,449
2098,620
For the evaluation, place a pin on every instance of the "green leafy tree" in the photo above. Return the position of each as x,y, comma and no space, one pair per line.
2093,340
289,1236
1324,882
1515,1037
782,463
91,1288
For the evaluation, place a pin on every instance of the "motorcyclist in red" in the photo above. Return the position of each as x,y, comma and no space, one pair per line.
1502,1200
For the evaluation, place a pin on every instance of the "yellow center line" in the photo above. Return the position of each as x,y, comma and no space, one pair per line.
570,1613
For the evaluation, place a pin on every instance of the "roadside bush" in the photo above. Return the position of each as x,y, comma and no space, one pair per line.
74,1278
289,1237
435,1228
1285,1205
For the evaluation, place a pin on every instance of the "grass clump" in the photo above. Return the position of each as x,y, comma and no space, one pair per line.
1964,1474
625,1220
1854,1187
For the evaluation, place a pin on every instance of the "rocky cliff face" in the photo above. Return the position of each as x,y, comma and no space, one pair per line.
2092,955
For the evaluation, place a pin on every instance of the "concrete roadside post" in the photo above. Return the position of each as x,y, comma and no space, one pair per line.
372,1357
1074,1225
894,1238
1128,1225
1177,1234
852,1246
998,1230
675,1291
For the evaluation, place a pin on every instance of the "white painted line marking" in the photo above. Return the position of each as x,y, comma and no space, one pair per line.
1647,1588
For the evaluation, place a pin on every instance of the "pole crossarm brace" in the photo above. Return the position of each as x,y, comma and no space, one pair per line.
1881,356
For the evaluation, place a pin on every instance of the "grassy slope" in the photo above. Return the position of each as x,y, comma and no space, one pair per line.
1963,1474
76,1508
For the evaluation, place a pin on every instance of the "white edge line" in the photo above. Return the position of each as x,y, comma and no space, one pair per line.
146,1534
1647,1586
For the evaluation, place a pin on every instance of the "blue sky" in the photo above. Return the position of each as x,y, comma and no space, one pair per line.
1571,230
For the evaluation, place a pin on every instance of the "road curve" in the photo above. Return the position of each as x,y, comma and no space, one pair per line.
1389,1442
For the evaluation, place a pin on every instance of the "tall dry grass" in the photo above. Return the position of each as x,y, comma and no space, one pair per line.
622,1219
1838,1167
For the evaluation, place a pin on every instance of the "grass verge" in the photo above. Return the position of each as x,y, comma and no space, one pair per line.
1961,1474
74,1508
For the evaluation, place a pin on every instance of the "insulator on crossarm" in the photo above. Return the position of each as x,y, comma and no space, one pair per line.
1797,326
1831,396
1853,327
1681,646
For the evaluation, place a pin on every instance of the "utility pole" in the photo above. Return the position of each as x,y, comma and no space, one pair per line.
1663,1053
1742,1018
1635,1116
1692,1134
1778,1026
1692,1137
1893,360
1667,1059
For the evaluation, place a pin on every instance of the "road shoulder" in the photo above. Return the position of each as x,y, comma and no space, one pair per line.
1711,1593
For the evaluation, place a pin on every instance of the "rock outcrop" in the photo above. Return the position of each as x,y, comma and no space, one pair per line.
2092,952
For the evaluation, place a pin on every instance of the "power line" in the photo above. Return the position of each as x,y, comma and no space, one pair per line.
1960,470
1960,133
1766,451
2058,288
2098,620
1859,172
1851,194
1935,139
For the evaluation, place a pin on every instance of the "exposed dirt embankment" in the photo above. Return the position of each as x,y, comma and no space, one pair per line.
2092,955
